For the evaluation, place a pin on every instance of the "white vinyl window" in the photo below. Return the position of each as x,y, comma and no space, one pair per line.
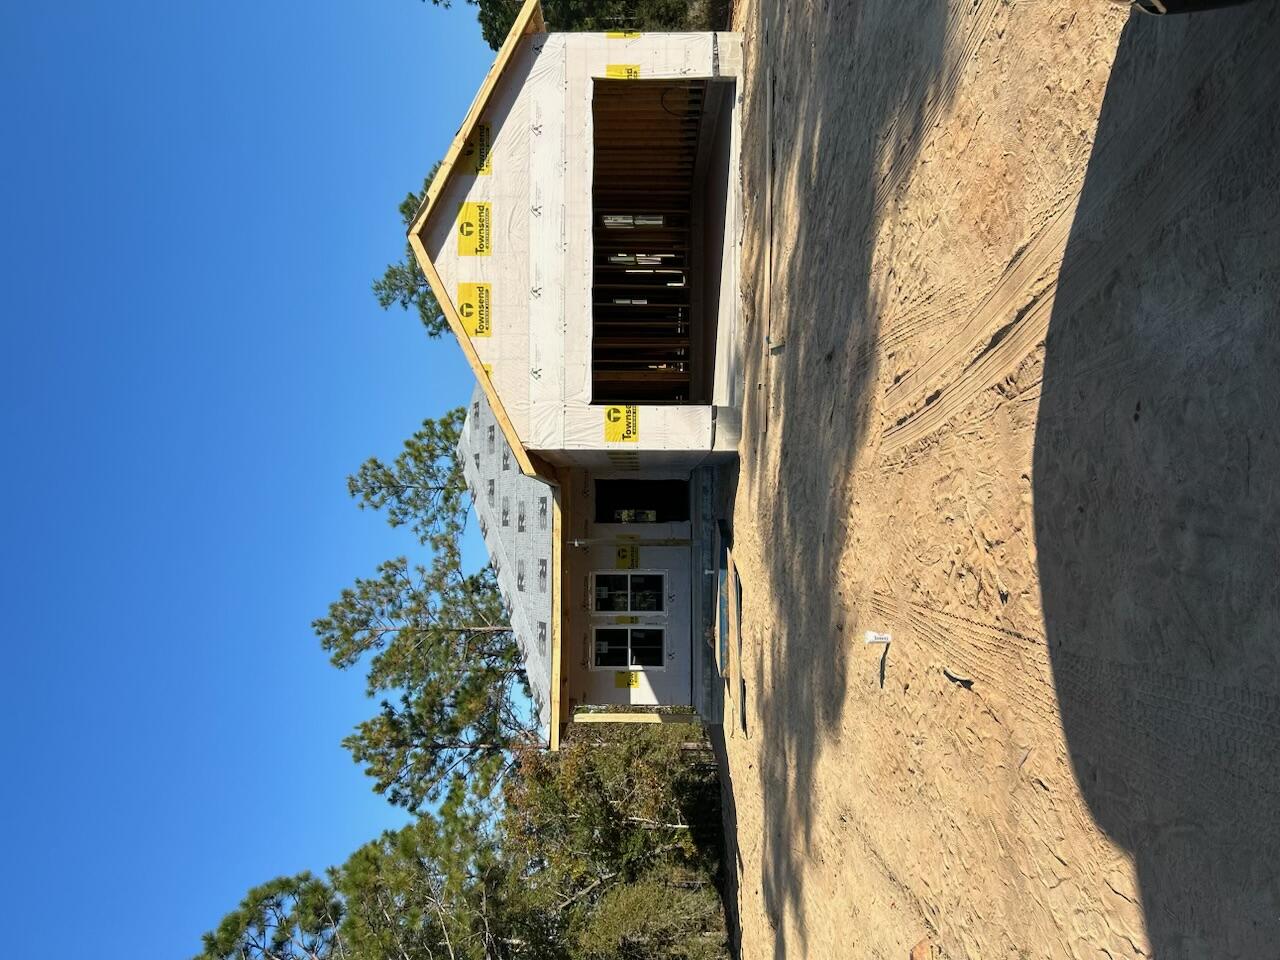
629,591
626,648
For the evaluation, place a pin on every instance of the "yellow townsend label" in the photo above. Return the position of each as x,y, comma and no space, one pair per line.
626,619
628,558
473,306
478,151
625,679
622,424
623,35
475,229
623,71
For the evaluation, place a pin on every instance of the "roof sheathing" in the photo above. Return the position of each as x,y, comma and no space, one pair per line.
517,523
529,21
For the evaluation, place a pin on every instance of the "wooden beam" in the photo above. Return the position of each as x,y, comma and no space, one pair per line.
557,614
582,716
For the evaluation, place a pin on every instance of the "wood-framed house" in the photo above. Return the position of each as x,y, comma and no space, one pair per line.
582,238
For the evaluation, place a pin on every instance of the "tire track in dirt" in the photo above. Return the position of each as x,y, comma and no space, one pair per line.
1220,723
1227,727
920,315
1008,663
1026,290
1006,349
1031,265
927,914
923,312
976,26
1012,682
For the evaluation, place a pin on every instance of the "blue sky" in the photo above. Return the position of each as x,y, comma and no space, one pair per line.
196,196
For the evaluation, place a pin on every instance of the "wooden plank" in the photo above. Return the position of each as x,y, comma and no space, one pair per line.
635,716
557,614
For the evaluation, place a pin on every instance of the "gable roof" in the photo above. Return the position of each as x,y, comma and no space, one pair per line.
528,21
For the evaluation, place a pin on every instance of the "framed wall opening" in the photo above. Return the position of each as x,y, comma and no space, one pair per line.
642,501
628,648
641,592
659,193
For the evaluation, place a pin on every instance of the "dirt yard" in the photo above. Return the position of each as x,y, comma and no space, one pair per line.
1013,286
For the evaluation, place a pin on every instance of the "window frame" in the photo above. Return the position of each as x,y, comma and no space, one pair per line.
629,667
591,596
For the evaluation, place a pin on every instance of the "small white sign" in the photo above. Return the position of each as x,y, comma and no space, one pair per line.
873,637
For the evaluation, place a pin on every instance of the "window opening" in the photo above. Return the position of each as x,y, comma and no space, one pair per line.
630,593
628,647
642,501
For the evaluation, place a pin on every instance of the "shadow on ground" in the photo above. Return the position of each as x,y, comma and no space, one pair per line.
855,85
1156,462
732,857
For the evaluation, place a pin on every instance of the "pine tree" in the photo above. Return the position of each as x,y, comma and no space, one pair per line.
290,918
403,282
437,641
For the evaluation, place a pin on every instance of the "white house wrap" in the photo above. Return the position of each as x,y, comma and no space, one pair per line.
582,237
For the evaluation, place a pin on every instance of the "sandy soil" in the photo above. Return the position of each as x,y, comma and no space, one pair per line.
1013,397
